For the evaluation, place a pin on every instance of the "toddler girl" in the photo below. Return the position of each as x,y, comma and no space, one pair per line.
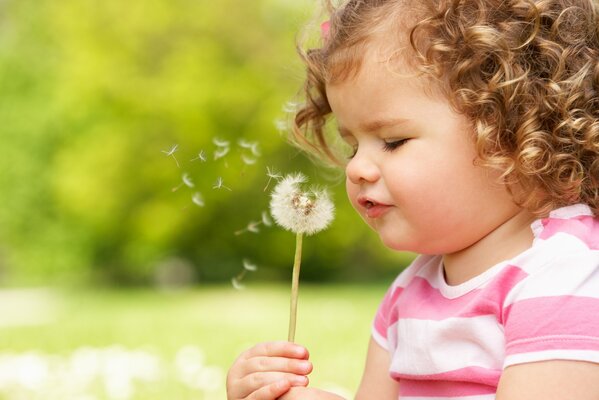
475,134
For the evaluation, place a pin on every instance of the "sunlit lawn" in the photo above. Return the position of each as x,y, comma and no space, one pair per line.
134,344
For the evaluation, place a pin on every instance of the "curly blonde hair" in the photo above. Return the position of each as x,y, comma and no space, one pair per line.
524,72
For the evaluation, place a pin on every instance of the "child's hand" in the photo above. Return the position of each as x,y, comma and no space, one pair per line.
267,371
302,393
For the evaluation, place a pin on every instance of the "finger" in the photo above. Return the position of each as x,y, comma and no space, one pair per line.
257,381
277,349
276,364
272,391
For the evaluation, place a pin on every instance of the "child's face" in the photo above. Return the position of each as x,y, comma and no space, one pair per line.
412,178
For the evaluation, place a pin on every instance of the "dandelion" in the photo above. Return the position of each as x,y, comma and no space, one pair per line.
302,213
171,153
197,199
272,174
219,184
290,107
201,156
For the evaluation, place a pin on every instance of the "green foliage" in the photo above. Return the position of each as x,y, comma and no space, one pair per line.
94,91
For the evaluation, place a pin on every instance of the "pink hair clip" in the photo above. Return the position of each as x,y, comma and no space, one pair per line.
324,30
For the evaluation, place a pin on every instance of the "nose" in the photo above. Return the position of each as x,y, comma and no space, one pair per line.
362,168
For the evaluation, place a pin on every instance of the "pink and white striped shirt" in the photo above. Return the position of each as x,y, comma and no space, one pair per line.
452,342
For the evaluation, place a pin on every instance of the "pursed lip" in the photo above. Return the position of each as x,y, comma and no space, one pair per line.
373,208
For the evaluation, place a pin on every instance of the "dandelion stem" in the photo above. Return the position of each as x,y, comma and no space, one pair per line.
295,286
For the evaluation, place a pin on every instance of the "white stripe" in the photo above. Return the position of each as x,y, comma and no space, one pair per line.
547,355
379,339
433,347
573,274
476,397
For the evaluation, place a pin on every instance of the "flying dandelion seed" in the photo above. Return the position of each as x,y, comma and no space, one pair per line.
244,144
236,282
221,152
197,199
252,227
187,180
290,107
248,160
280,125
220,142
256,149
171,153
219,184
272,174
201,156
266,219
248,266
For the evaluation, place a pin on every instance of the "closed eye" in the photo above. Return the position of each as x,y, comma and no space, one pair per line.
390,146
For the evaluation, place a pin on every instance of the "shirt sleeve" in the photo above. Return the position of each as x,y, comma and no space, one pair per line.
553,314
384,317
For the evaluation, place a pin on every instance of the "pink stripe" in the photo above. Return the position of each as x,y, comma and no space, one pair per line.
585,228
387,311
556,343
468,381
542,323
422,301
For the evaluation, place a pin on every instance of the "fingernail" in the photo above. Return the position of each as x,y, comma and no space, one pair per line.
305,365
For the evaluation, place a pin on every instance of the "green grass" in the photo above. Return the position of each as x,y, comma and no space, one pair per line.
333,322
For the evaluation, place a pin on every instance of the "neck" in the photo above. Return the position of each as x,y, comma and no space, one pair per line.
509,239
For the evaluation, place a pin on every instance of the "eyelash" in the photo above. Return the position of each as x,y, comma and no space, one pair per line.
390,146
387,146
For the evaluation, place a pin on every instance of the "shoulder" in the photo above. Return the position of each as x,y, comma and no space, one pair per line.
552,312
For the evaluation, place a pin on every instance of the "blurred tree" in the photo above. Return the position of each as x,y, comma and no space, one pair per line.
94,93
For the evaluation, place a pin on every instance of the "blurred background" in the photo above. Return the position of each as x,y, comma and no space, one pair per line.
137,140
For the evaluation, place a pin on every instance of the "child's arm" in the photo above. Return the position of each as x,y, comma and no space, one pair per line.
268,370
550,380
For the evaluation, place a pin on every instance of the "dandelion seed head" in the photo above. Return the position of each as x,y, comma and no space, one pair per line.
300,212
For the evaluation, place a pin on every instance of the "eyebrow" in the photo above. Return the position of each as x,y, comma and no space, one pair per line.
375,125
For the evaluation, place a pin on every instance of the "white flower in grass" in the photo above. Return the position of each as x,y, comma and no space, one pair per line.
298,211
